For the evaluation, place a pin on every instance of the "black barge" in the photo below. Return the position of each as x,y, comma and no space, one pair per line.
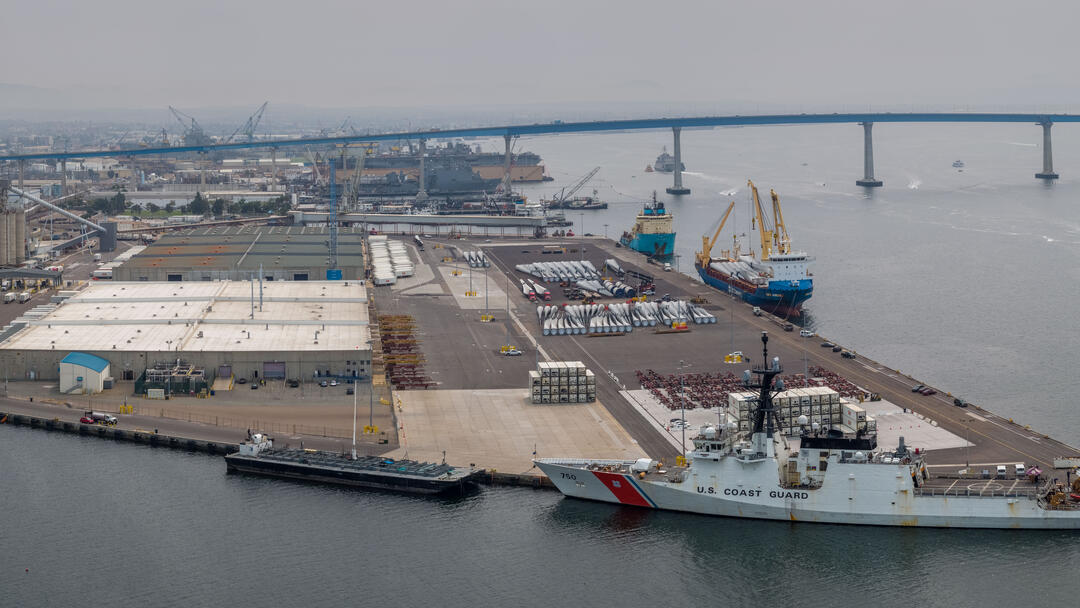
373,472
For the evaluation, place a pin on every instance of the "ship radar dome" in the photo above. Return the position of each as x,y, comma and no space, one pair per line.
709,432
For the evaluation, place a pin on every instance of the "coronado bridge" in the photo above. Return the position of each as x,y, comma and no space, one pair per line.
676,125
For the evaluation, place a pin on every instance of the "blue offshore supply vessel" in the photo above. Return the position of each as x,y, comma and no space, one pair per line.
653,233
779,282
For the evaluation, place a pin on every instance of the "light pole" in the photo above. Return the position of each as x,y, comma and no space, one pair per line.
582,236
677,256
354,425
682,402
605,232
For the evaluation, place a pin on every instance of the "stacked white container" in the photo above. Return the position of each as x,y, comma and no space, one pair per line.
562,382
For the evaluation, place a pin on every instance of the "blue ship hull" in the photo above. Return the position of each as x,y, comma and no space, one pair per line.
783,298
654,245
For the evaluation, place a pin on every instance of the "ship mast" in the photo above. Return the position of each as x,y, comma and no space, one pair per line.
765,419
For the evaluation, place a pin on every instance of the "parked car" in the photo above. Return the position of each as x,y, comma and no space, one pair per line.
827,345
324,384
806,333
917,388
86,420
928,391
350,391
789,327
958,402
513,352
333,383
294,383
847,354
241,380
254,386
837,348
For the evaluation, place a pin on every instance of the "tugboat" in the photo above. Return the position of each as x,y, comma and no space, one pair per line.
653,233
822,476
779,282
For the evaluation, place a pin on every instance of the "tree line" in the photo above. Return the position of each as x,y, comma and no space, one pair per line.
200,205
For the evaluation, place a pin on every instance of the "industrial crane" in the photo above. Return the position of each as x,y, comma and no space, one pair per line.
565,194
765,230
352,194
783,243
193,132
705,255
314,166
248,128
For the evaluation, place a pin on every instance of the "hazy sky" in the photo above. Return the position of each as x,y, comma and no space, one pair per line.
417,53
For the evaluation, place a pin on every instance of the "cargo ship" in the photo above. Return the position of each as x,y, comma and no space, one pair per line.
821,476
258,457
653,233
778,282
665,163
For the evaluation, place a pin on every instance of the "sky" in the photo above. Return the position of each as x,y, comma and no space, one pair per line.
788,54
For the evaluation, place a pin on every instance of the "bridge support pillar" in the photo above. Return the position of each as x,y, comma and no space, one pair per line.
421,195
273,166
1048,154
22,171
63,177
678,187
506,165
868,179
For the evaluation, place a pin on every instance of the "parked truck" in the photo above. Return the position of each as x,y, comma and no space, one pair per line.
24,297
9,298
98,418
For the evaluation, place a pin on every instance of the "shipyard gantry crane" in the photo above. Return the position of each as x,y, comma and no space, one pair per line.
248,128
193,132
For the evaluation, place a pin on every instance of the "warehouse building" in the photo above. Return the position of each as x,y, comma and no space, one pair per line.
238,253
83,373
283,329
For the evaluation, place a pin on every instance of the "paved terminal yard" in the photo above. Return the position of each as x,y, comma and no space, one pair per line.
478,411
462,352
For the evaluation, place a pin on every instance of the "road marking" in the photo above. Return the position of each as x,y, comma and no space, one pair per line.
977,417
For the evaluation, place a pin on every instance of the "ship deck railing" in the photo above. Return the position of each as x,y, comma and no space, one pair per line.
968,492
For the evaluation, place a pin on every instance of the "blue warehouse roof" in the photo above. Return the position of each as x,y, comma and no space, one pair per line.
86,360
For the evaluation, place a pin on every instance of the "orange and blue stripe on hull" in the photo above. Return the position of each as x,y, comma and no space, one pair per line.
625,489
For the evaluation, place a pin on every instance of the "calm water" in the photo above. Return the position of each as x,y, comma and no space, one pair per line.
964,279
101,523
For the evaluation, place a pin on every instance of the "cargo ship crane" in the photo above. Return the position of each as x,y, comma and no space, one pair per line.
783,242
765,231
705,255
